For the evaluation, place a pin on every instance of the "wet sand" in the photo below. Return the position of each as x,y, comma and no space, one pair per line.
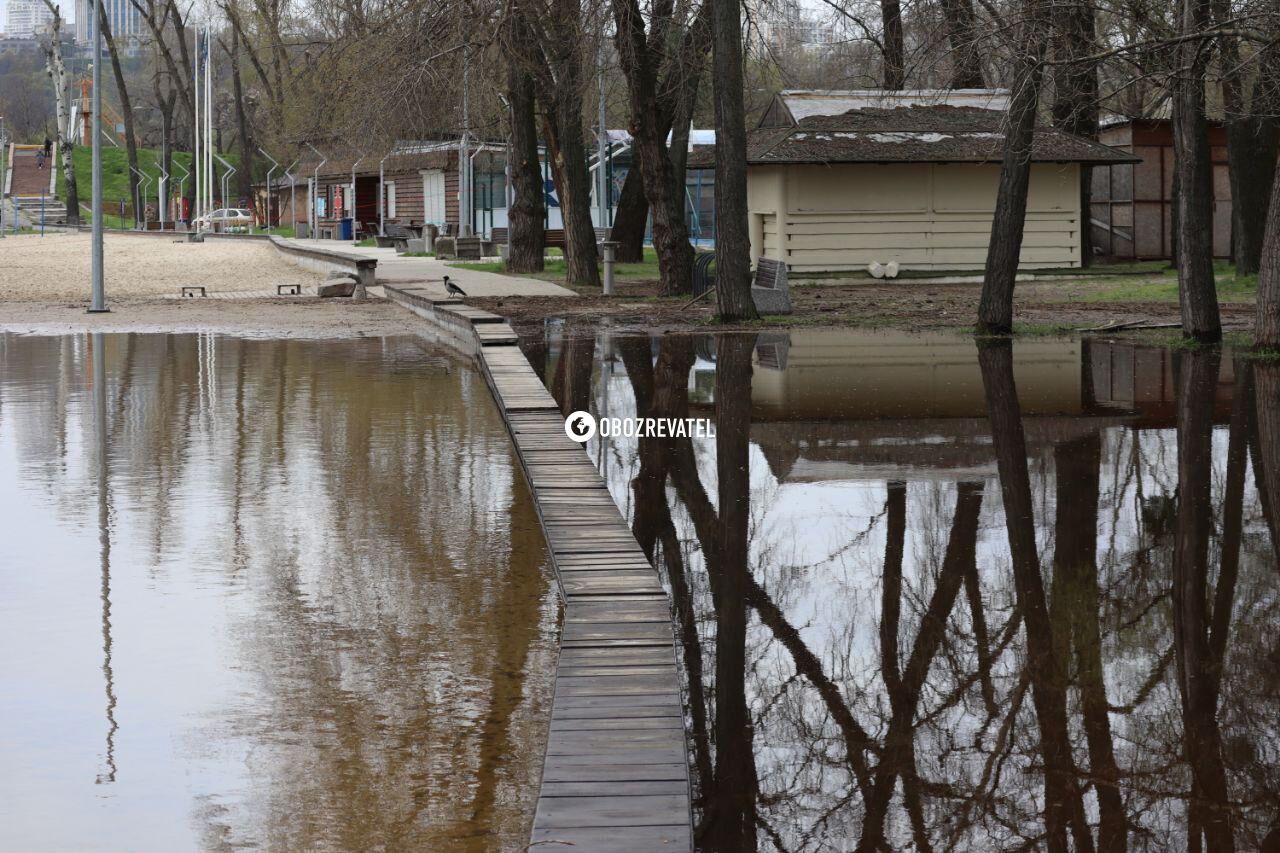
276,318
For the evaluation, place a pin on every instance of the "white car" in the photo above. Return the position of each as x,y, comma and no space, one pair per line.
226,219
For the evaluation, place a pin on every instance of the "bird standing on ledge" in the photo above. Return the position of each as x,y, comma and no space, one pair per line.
453,289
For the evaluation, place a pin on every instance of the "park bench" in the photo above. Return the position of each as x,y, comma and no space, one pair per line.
468,248
552,238
394,236
770,290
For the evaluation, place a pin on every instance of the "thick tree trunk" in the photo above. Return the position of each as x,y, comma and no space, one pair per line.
1209,809
1251,153
525,221
962,39
630,218
568,152
126,112
1266,329
670,235
893,54
1196,289
995,308
733,236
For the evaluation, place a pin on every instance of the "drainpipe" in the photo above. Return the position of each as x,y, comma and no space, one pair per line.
315,202
274,166
354,238
382,195
293,196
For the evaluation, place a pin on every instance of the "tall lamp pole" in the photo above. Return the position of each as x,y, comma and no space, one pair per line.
98,305
4,146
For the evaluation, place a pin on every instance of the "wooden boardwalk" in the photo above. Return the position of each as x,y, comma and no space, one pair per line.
616,776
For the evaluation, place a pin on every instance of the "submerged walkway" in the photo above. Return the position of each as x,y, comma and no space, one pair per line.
616,775
398,269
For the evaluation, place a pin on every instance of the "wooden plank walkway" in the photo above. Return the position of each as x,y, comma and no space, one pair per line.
616,775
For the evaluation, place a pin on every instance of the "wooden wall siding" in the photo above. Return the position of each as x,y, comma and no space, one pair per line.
408,197
1132,205
924,216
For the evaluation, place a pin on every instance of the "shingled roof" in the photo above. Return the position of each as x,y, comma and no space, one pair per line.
915,133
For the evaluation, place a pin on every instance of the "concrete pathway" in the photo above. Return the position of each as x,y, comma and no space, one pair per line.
430,272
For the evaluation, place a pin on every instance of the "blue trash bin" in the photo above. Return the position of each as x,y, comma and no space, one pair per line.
345,231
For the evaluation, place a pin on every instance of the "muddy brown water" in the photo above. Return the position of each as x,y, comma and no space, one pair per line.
280,595
931,595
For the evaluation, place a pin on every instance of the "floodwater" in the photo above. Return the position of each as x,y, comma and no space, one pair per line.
281,595
937,596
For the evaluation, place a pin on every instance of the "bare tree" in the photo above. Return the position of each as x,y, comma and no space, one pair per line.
1196,288
663,188
995,308
525,218
62,96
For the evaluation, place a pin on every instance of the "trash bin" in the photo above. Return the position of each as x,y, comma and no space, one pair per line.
345,231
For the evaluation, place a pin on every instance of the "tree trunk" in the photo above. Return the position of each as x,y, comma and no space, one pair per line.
1251,153
1196,290
126,112
1266,329
995,309
733,236
244,173
525,218
1075,106
893,54
57,69
630,218
962,38
670,235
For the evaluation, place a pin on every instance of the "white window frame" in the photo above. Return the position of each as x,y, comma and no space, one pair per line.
389,194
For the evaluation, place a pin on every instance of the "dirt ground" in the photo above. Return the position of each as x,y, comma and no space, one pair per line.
1046,306
56,266
282,318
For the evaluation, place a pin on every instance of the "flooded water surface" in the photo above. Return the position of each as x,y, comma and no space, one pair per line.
281,595
932,595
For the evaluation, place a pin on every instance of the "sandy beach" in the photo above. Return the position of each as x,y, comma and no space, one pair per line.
56,266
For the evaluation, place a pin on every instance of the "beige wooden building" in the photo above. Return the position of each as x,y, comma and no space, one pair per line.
840,180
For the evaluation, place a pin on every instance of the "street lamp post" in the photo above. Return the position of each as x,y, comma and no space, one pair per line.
98,305
274,166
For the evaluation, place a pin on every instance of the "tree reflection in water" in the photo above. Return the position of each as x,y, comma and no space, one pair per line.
1017,598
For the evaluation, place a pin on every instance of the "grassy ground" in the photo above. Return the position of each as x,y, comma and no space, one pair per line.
115,173
1160,285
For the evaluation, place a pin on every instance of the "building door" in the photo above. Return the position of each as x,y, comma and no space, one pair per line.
433,196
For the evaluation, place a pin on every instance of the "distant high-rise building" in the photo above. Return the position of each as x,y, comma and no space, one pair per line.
122,16
27,19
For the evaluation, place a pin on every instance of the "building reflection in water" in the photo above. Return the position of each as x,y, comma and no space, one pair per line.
937,595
